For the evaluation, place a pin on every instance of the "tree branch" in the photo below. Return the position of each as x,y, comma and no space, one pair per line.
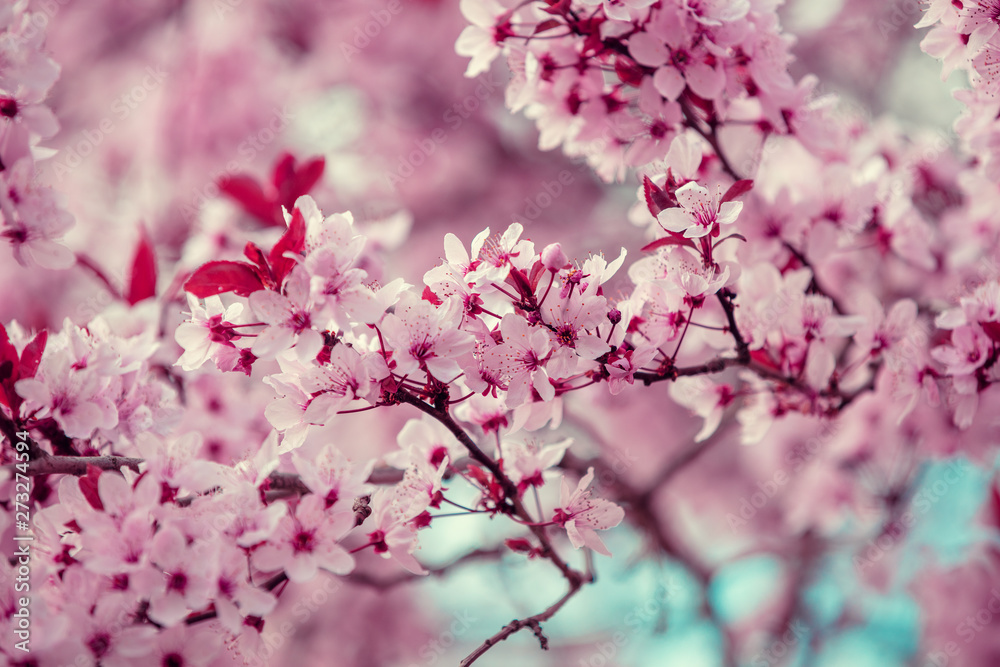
533,622
510,489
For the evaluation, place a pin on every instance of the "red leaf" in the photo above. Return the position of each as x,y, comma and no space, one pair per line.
293,240
220,277
656,198
628,71
253,252
8,370
302,183
88,487
992,330
556,6
142,283
673,239
736,189
8,358
246,191
547,25
284,170
31,355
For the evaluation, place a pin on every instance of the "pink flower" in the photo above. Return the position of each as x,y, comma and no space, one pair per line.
236,597
525,462
458,264
100,628
34,219
679,60
308,541
582,516
623,366
395,536
331,476
428,441
480,41
968,350
571,321
71,389
189,576
716,12
289,319
553,258
425,337
881,333
699,213
621,10
682,270
184,646
521,358
501,254
168,461
818,327
703,397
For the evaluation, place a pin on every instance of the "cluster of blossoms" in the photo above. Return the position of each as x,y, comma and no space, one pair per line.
33,218
697,97
799,266
615,82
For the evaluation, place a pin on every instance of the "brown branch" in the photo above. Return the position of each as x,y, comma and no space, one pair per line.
75,465
510,489
546,550
533,622
643,515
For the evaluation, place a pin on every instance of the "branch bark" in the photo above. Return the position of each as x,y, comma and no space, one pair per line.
533,622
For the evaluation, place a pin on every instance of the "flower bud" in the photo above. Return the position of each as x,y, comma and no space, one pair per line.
553,257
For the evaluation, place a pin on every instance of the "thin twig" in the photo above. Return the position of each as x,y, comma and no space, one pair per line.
533,622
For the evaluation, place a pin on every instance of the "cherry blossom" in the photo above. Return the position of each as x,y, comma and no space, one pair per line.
425,337
582,516
189,581
398,379
699,213
209,333
308,541
289,319
707,399
527,461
